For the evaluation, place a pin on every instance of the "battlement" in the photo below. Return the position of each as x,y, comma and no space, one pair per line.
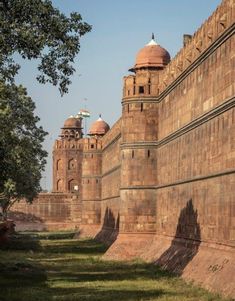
209,32
145,83
91,144
68,144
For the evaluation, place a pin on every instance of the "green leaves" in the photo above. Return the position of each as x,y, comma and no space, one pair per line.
37,30
22,158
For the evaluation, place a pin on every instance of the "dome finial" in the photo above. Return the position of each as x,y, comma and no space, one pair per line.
153,36
100,115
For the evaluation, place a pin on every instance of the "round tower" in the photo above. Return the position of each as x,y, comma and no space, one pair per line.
91,177
139,136
67,157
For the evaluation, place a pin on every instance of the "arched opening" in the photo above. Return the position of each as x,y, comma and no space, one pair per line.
59,185
71,164
58,164
72,185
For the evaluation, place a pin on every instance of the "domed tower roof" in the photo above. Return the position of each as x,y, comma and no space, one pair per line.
72,123
72,128
99,127
151,56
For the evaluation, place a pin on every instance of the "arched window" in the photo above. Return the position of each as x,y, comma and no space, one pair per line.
58,164
59,185
72,185
71,164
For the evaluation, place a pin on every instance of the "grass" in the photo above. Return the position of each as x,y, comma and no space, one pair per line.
54,266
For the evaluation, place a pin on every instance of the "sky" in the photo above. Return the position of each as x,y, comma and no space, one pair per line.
120,28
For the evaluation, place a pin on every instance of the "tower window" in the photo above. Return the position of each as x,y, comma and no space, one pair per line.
141,107
97,181
92,145
148,153
141,89
128,92
132,154
128,108
71,164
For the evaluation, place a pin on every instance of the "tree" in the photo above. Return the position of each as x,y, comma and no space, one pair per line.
36,30
22,158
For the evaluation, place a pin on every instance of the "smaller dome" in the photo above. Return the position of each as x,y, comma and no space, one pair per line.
72,122
99,127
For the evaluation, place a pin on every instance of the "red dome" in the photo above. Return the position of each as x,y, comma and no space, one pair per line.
152,55
72,122
99,127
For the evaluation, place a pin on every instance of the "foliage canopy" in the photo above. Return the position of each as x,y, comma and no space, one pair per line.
36,30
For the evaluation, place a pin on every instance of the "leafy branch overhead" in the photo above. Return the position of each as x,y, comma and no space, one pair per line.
37,30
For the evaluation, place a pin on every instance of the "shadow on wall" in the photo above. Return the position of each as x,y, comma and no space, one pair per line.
110,228
186,242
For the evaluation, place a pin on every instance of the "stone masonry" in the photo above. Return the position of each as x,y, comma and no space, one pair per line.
160,184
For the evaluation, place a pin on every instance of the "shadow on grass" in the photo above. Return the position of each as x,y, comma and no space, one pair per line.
68,270
99,294
106,271
74,246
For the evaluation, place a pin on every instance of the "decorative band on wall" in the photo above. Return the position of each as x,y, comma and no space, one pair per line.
189,180
226,106
112,141
111,171
91,176
137,99
110,197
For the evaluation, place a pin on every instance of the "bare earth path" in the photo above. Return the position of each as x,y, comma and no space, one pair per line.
48,267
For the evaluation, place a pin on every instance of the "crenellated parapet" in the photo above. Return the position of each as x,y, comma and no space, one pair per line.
209,32
68,144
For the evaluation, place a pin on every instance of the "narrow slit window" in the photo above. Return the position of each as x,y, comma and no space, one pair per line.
148,153
141,89
128,108
141,107
132,154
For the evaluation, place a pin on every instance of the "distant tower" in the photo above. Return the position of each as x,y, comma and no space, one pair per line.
91,177
139,135
67,157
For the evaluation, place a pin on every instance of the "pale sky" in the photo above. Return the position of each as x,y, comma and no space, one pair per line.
120,29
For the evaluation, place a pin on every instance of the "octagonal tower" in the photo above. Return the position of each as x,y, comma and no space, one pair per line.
139,136
67,157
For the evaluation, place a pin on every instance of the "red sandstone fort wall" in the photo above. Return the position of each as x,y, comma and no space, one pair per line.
195,151
110,205
48,212
196,142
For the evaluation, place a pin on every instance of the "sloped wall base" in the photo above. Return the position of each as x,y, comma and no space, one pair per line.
209,265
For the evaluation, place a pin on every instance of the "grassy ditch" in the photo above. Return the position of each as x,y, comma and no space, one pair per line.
54,266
